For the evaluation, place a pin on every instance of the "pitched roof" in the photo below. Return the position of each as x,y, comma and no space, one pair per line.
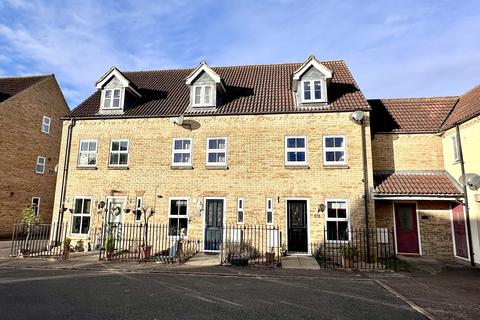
410,115
415,183
468,106
253,89
11,86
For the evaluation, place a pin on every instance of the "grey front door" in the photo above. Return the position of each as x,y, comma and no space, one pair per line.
297,226
213,224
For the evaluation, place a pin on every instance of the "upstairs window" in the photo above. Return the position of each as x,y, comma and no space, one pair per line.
182,152
312,91
111,99
334,150
36,205
203,95
87,155
118,153
40,167
217,151
456,149
295,150
46,124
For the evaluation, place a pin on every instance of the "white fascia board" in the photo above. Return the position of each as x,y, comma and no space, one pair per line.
114,72
390,197
203,67
312,62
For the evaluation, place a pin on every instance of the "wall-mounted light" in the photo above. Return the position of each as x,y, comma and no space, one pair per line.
101,205
320,208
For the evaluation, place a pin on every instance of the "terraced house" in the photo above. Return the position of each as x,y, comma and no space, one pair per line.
291,145
31,129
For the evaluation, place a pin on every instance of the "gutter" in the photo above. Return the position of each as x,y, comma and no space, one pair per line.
465,195
63,189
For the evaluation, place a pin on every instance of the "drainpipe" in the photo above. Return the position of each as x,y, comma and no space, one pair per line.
465,195
365,183
63,189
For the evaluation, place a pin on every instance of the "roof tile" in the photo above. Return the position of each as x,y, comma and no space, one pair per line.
11,86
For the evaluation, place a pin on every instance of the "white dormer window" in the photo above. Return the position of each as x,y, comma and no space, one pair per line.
111,99
311,91
203,95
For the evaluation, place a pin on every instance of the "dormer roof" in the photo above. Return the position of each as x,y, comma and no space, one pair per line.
204,67
312,62
114,72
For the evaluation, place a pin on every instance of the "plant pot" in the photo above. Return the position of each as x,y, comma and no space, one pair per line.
270,258
145,252
66,253
239,261
347,262
109,255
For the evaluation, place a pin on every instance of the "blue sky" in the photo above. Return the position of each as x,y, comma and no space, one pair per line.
393,48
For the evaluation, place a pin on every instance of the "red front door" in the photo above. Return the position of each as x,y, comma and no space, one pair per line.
406,228
458,216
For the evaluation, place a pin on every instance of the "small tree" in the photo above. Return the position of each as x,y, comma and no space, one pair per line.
31,219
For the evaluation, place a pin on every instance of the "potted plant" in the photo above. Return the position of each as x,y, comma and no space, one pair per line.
348,253
145,250
238,254
66,248
110,246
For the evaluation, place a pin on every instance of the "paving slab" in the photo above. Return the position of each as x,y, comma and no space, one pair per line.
300,262
202,260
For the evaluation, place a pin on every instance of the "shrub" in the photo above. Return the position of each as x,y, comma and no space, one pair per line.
29,216
348,251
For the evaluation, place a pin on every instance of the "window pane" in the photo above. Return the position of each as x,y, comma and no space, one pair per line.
123,158
291,156
116,93
301,156
185,157
115,145
339,156
85,225
45,128
208,92
123,145
307,91
330,156
221,143
221,157
39,168
240,216
318,91
177,145
269,216
329,142
300,143
213,144
76,224
92,158
116,103
41,160
212,157
343,230
176,225
240,204
113,158
78,205
86,206
92,146
177,157
198,95
108,93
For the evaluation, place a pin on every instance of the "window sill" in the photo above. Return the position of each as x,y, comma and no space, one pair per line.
189,167
456,162
87,168
118,168
297,166
216,167
336,166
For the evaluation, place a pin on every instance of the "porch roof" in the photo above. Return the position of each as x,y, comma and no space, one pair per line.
415,184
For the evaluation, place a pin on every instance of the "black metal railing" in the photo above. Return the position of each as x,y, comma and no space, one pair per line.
358,249
140,242
39,240
251,245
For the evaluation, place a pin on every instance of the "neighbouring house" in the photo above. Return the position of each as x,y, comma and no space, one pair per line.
279,144
30,135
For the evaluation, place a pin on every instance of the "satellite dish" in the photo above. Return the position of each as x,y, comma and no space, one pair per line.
179,120
471,180
357,116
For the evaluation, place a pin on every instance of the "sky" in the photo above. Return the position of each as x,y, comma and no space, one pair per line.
393,48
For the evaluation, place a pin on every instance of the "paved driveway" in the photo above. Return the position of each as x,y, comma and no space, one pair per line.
74,294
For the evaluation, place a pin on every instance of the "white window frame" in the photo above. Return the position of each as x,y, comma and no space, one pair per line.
456,149
240,208
304,149
40,164
88,152
269,201
202,95
46,124
110,106
347,219
208,151
81,214
312,91
189,151
119,152
173,216
333,149
138,206
37,207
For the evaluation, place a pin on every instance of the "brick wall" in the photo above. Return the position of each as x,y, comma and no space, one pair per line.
21,142
407,152
255,167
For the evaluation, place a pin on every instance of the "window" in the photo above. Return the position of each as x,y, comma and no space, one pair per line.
138,209
87,154
45,124
40,167
456,149
217,151
36,205
178,217
240,210
296,150
312,91
269,210
203,95
81,215
111,99
337,220
118,153
334,150
182,152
